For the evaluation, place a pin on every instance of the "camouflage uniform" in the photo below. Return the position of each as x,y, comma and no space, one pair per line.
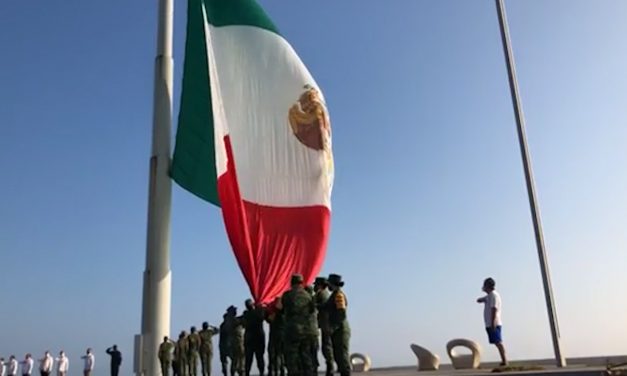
206,347
313,333
254,337
275,344
340,330
165,356
298,305
194,347
181,351
321,299
237,346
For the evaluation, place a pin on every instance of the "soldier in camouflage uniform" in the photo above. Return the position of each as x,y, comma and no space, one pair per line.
313,332
340,330
298,305
165,356
181,351
237,348
275,343
236,328
175,363
224,344
254,337
321,298
206,347
194,348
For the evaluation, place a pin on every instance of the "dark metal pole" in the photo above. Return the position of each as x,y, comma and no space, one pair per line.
533,202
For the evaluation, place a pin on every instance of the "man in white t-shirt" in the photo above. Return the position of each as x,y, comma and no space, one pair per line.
90,361
27,365
492,316
3,367
45,364
63,364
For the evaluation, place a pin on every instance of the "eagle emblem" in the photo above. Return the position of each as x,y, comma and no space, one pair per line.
309,120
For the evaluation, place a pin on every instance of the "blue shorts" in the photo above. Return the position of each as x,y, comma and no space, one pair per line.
494,335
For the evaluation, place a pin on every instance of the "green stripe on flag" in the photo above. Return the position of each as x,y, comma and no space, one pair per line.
238,12
193,164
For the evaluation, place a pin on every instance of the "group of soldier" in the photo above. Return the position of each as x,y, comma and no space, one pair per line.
183,354
303,321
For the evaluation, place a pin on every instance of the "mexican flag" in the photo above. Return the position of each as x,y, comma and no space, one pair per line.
254,138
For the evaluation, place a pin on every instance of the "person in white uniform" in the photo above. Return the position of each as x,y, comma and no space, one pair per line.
12,366
45,364
63,364
27,365
90,361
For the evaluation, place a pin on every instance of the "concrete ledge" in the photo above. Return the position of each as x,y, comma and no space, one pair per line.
584,366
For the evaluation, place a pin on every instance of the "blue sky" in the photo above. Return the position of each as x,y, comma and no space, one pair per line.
429,196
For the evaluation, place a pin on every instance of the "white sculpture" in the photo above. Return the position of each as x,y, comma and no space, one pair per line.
360,362
427,361
459,361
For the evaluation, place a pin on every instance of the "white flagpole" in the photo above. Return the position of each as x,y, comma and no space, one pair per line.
533,202
157,276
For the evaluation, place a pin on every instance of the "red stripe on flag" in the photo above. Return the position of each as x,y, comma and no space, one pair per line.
271,243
